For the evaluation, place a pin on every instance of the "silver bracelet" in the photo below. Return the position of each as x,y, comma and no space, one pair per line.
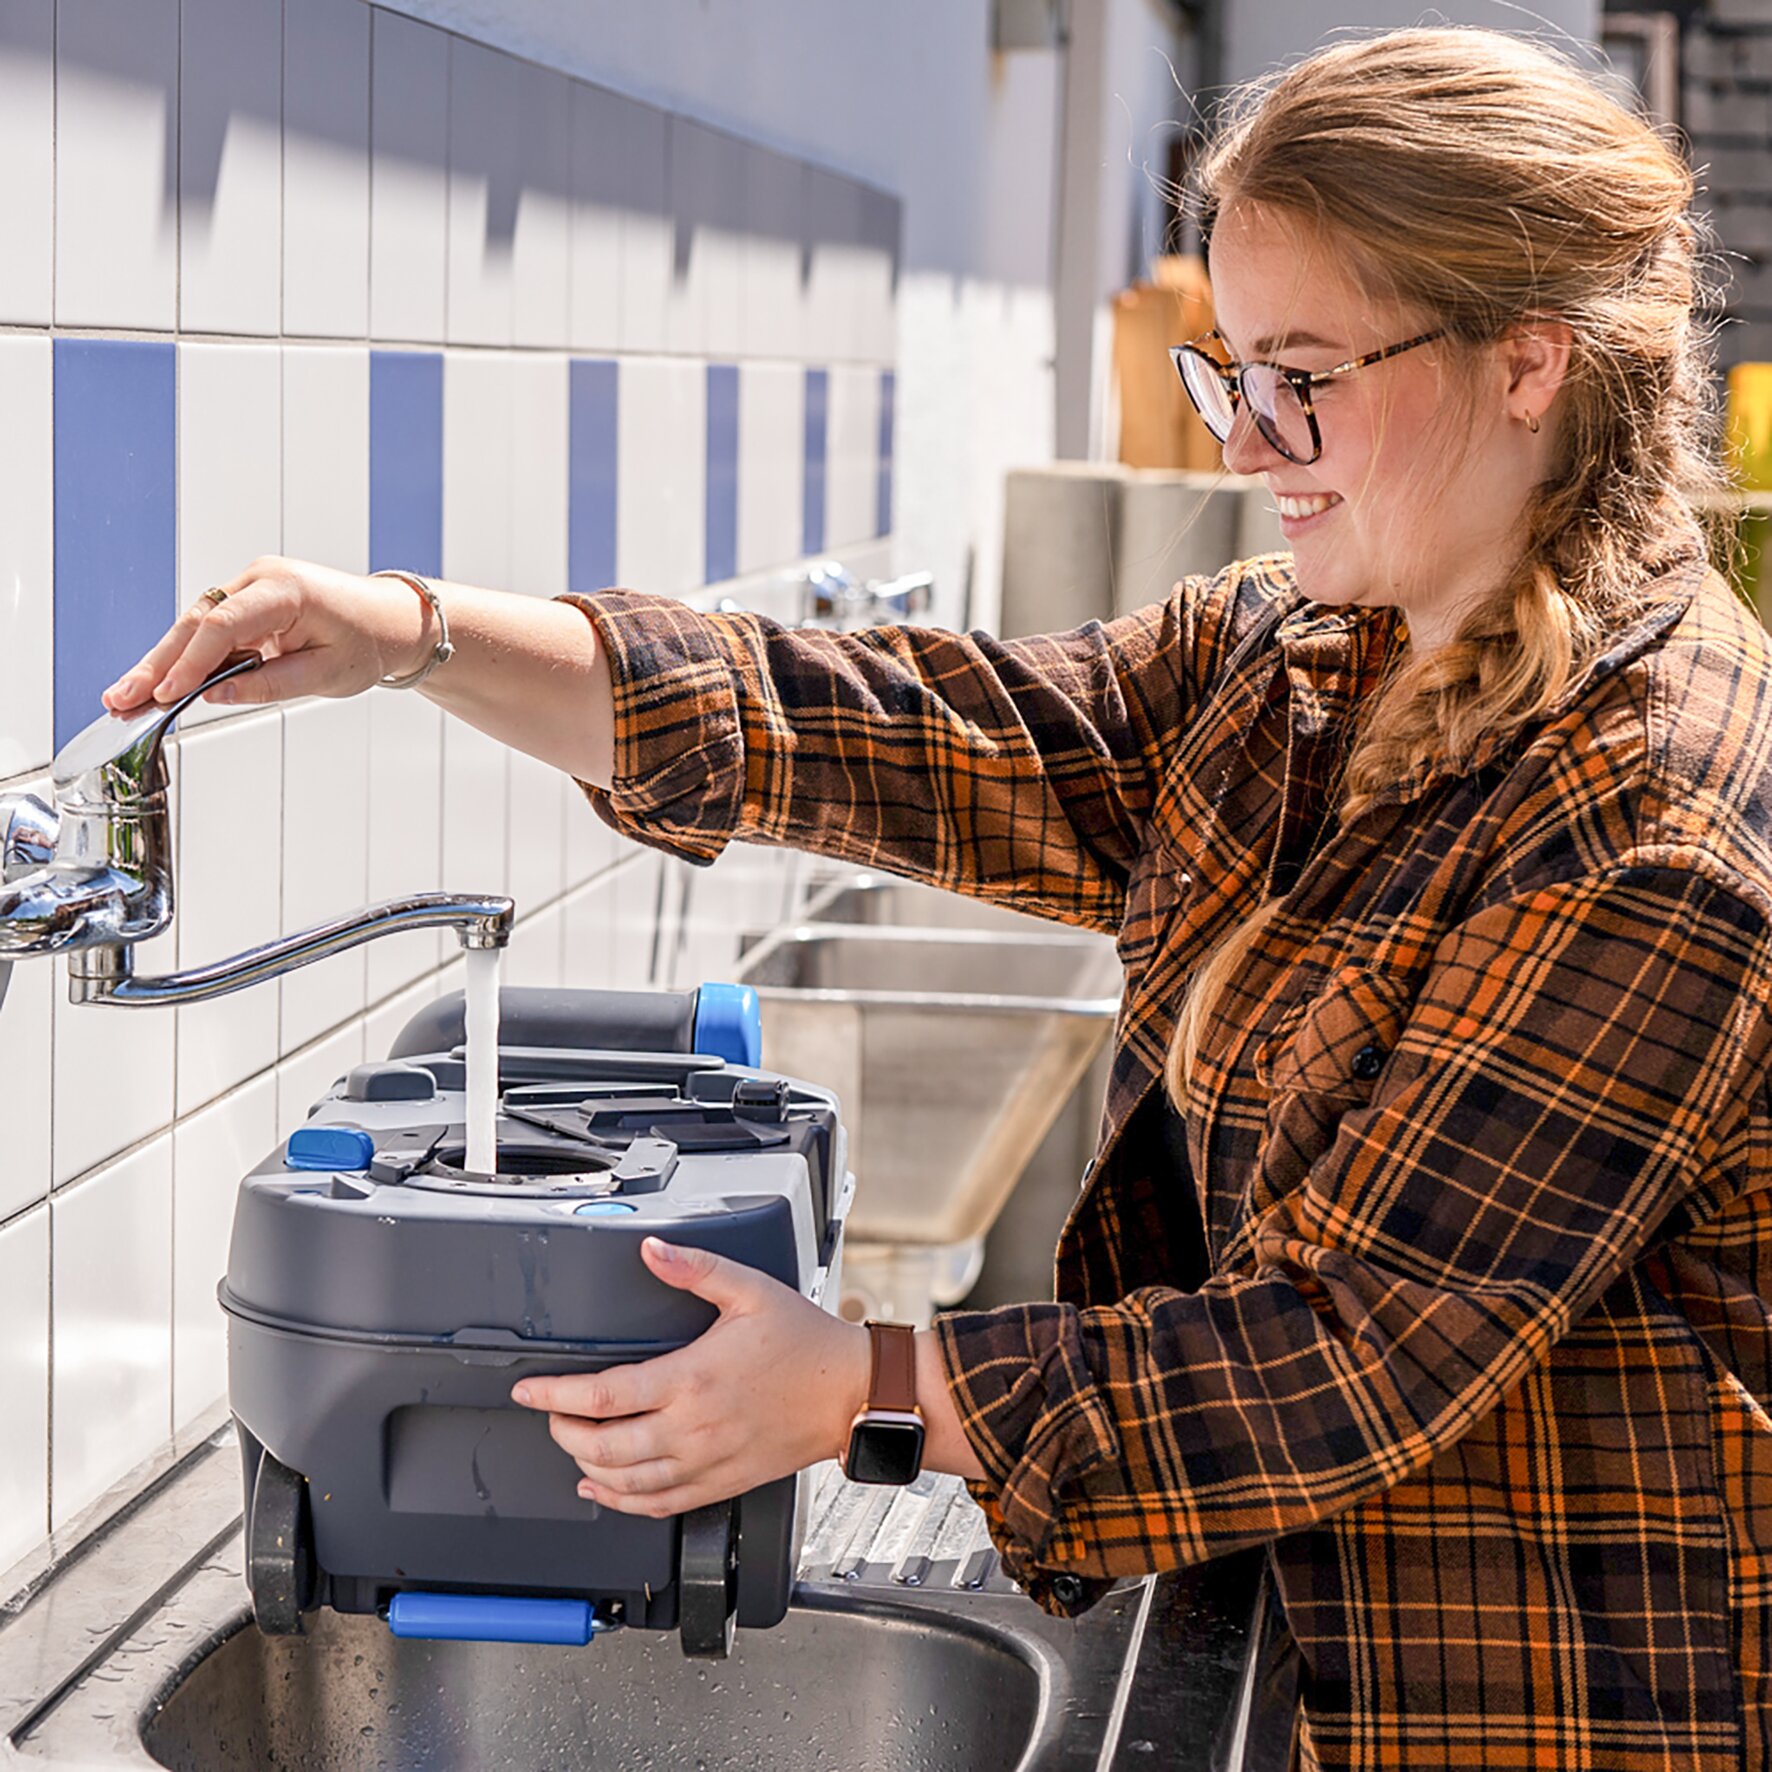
442,652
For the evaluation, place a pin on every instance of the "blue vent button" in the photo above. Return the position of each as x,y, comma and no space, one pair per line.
329,1147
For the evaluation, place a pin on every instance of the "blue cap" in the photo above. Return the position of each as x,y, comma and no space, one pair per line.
604,1208
329,1147
729,1023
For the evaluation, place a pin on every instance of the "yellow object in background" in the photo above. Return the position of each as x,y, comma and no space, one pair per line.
1749,413
1750,424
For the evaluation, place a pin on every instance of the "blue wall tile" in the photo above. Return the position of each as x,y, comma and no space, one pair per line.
818,410
722,476
593,453
116,496
406,460
883,497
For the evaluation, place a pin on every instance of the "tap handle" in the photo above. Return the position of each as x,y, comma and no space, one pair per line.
132,741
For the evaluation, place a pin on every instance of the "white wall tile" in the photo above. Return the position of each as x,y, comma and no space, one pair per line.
853,442
405,827
116,176
326,455
773,298
305,1076
538,832
230,503
384,1022
477,418
325,857
533,958
476,794
231,166
594,317
211,1153
484,95
591,846
771,463
635,920
876,275
27,553
537,464
707,204
833,284
621,168
27,1029
541,242
111,1325
27,151
661,517
587,936
24,1384
229,881
409,182
326,168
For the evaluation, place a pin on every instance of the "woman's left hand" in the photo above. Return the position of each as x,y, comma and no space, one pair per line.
769,1388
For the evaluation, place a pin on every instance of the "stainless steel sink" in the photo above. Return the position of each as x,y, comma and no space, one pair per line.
953,1050
883,898
904,1648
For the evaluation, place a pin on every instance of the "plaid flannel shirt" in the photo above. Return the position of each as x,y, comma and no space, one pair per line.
1453,1293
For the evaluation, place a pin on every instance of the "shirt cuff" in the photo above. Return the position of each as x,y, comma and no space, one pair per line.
1030,1409
678,780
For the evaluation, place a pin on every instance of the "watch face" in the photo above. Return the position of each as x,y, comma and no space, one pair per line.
884,1451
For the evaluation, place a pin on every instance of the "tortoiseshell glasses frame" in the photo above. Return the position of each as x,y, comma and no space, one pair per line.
1279,398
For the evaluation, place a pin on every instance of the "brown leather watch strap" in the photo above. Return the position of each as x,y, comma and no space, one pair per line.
892,1378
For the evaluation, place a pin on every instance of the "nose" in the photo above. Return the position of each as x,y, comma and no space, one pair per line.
1246,450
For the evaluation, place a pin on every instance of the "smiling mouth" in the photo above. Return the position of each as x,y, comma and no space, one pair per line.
1297,506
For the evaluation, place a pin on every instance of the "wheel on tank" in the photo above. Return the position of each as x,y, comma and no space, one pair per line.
280,1571
707,1581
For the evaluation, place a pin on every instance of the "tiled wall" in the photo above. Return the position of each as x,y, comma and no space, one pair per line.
310,277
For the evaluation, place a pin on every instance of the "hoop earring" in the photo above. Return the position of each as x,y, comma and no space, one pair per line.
1532,423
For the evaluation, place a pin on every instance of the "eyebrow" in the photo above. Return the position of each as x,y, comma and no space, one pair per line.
1280,341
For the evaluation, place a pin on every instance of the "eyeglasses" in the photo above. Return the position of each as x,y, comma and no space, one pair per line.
1279,399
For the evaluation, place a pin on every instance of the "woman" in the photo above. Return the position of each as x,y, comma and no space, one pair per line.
1440,857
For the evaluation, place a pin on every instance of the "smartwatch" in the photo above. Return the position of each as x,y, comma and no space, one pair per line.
886,1437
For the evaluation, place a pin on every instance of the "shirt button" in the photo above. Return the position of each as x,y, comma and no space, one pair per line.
1066,1589
1368,1062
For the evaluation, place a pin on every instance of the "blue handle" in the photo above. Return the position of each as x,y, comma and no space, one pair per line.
729,1023
493,1618
329,1147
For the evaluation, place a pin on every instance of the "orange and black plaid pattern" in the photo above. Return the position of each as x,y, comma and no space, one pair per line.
1480,1147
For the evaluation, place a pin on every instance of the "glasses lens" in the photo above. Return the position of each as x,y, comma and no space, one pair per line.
1205,387
1278,414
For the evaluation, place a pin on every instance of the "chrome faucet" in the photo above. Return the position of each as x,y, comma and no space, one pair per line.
91,876
831,596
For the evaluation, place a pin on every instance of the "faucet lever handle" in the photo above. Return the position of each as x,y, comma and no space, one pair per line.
133,741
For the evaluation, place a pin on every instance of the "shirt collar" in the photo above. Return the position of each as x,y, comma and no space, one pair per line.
1330,655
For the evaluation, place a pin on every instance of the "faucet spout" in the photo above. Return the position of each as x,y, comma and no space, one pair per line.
105,973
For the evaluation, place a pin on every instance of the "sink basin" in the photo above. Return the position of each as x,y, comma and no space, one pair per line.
905,1647
952,1049
860,1689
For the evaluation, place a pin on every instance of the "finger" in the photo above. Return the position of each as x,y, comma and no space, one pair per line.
631,1440
139,682
246,622
288,678
620,1390
724,1284
657,1504
648,1478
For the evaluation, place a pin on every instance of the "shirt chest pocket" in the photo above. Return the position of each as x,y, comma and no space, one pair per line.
1335,1042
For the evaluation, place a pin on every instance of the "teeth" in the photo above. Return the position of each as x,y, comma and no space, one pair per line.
1305,507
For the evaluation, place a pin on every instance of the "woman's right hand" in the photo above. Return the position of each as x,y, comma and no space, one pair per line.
321,632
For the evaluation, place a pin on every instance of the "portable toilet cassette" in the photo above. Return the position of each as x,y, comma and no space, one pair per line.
382,1300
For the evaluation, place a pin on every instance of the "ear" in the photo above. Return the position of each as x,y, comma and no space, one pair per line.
1535,360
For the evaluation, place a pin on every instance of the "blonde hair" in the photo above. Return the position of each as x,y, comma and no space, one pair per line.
1485,183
